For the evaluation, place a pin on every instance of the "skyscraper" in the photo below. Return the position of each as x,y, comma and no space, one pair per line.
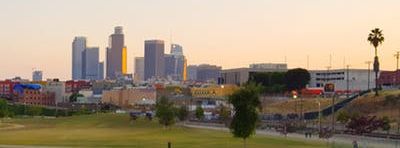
176,49
90,63
153,59
170,66
175,65
180,62
37,75
101,70
139,69
78,46
116,54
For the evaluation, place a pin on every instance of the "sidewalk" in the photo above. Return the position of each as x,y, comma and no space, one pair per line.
337,139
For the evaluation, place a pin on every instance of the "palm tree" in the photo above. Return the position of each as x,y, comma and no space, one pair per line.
376,38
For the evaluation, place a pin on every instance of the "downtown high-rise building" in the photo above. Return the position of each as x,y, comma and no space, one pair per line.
85,61
139,69
204,73
90,63
154,59
37,75
101,70
175,63
78,46
116,55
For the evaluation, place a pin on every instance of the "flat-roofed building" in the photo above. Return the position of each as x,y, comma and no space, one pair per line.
358,79
128,97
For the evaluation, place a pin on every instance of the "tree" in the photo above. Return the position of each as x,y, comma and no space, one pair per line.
3,108
74,97
364,124
182,113
272,82
165,112
297,79
392,101
375,38
386,124
224,114
246,105
343,117
199,113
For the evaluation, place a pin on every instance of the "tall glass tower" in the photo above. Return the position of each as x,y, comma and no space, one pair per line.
78,46
116,55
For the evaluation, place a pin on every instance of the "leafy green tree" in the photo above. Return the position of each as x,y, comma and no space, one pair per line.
297,79
4,111
246,105
224,114
375,38
392,101
165,112
272,82
343,117
182,113
74,97
199,113
386,124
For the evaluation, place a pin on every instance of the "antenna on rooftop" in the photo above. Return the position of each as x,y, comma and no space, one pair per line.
344,62
330,60
285,60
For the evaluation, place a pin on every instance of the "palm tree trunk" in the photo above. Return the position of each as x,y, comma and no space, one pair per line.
376,83
376,70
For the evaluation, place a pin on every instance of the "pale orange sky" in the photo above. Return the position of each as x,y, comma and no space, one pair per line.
230,33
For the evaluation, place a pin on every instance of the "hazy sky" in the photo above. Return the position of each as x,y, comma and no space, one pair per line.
230,33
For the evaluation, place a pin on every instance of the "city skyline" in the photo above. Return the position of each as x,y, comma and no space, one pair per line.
264,34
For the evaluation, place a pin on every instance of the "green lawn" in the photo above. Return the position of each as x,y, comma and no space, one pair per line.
2,125
110,130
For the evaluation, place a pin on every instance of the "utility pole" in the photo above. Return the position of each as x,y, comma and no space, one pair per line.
327,75
369,72
397,55
347,81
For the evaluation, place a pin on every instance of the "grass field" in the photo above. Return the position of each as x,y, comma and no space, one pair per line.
110,130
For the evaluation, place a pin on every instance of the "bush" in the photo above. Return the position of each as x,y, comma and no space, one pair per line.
182,113
4,111
19,110
34,110
199,113
343,117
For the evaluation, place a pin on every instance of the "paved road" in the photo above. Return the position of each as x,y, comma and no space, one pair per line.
366,142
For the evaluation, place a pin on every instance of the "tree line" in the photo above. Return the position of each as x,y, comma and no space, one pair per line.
246,108
281,82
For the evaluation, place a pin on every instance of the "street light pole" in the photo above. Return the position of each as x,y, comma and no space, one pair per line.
327,75
397,56
347,81
333,113
319,116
